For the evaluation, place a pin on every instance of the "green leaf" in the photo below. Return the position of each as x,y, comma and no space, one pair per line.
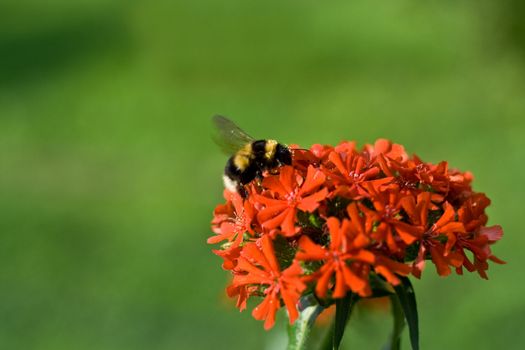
284,251
399,324
380,288
343,309
407,299
299,331
315,220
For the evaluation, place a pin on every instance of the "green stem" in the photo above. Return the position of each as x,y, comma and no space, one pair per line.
407,299
343,309
399,324
298,332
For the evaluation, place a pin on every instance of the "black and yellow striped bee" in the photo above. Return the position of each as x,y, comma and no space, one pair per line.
250,157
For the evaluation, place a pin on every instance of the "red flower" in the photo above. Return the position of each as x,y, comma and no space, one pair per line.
472,212
369,212
479,244
414,176
431,239
345,258
321,151
232,220
360,229
303,158
229,256
386,149
389,269
351,173
459,185
477,238
387,213
291,192
259,266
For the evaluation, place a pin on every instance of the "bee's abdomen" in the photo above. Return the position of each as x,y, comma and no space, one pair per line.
244,175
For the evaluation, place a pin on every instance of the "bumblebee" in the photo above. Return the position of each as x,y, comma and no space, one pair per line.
250,157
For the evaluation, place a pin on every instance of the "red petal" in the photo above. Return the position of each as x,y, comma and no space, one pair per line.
365,256
293,270
253,254
408,233
267,249
360,241
409,205
356,283
423,202
335,234
311,202
390,277
308,250
275,221
314,179
273,183
493,233
381,146
270,212
419,263
335,158
322,282
286,176
447,216
353,213
270,202
393,266
290,301
242,280
288,224
441,265
216,239
451,241
455,259
340,285
378,184
496,260
245,265
383,165
452,227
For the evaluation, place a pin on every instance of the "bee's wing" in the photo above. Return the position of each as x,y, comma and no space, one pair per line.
229,137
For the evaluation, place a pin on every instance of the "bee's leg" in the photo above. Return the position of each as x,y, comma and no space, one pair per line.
241,190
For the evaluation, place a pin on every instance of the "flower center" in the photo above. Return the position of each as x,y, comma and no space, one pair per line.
292,196
355,176
404,183
389,212
240,223
336,257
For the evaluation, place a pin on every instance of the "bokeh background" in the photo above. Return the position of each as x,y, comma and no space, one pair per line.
109,176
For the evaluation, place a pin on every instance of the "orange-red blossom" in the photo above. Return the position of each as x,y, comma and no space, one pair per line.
339,216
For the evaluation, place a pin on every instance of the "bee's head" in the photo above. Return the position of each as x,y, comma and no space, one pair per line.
283,155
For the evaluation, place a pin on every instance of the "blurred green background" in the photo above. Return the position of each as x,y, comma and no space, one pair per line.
109,177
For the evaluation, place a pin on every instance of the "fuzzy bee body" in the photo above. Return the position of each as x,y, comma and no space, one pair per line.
250,157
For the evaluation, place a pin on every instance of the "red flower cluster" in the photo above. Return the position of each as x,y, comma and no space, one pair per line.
340,216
